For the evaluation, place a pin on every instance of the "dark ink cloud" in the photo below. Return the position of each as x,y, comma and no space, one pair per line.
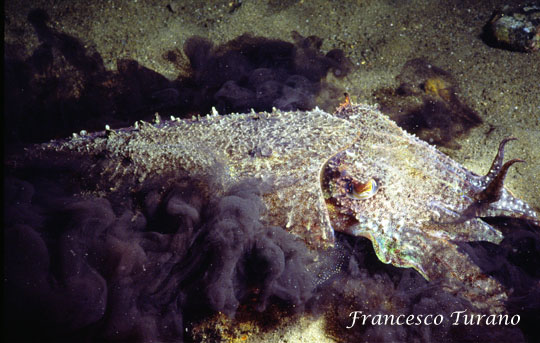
255,73
75,267
64,87
427,104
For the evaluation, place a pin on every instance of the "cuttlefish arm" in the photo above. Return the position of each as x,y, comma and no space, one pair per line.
440,261
491,199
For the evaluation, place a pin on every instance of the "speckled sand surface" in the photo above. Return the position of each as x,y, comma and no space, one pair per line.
378,36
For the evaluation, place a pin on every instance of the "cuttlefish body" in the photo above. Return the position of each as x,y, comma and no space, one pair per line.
354,171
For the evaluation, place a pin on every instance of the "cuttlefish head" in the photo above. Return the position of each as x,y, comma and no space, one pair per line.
357,203
350,191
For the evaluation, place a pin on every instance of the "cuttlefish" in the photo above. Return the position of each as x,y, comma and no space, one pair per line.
354,171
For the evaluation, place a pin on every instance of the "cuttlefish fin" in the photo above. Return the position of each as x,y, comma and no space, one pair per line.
493,200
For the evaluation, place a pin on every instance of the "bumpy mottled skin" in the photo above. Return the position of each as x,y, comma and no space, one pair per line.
424,204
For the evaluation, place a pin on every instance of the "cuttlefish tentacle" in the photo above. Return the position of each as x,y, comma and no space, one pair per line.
494,189
493,200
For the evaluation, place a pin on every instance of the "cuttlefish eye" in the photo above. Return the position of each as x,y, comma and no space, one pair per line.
360,191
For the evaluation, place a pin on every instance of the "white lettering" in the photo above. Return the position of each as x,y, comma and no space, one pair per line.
401,316
409,319
457,313
517,320
438,318
457,317
366,316
354,314
501,317
376,321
